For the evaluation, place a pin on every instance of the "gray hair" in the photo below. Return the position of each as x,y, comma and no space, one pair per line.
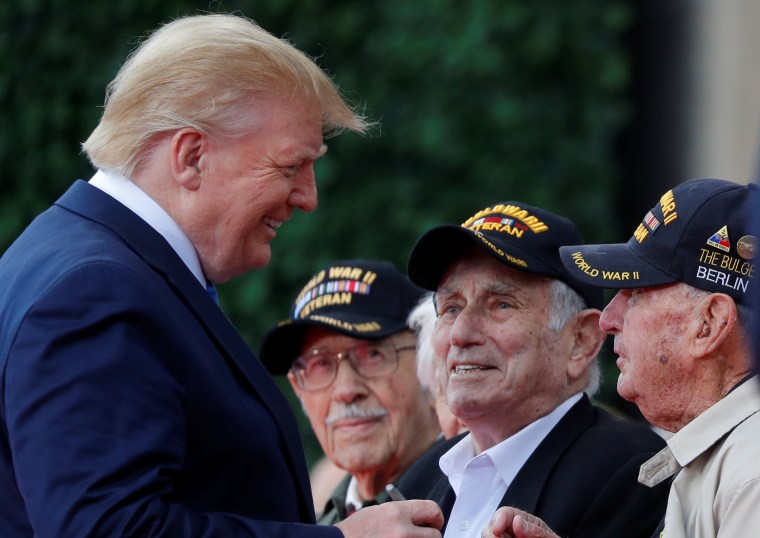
744,314
566,303
205,71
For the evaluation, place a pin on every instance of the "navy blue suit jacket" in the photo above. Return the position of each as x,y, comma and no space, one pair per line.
581,479
129,405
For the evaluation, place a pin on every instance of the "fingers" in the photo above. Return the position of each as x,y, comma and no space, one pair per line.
501,522
509,522
426,513
529,526
488,532
400,519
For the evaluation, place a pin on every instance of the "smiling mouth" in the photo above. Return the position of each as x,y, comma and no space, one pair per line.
356,422
274,224
468,368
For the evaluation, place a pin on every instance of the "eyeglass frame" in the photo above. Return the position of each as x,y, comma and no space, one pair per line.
347,354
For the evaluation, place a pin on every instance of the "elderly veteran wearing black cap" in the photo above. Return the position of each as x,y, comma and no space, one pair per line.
520,338
350,357
681,328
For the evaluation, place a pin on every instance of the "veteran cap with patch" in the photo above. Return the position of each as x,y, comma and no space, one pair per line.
698,233
520,235
364,299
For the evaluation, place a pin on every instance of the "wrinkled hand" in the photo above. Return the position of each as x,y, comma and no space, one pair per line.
399,519
510,522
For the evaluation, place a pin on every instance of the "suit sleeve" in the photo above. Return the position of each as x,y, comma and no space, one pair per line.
624,508
94,415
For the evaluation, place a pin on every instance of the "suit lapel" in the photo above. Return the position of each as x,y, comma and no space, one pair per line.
95,205
443,494
525,490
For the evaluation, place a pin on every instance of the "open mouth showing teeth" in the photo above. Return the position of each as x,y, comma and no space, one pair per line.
465,368
274,224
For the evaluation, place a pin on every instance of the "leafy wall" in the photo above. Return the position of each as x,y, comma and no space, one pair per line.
478,102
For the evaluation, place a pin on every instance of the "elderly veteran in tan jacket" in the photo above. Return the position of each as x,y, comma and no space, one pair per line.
681,324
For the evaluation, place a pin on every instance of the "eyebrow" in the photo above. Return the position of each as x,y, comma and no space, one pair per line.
500,288
304,154
321,152
497,288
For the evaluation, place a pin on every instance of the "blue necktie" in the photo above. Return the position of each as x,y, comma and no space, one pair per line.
211,290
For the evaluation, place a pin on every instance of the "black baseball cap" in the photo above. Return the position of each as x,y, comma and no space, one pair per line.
520,235
364,299
698,233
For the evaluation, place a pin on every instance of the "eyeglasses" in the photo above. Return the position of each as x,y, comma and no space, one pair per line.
318,369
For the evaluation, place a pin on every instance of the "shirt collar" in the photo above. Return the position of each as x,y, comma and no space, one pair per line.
703,432
129,194
715,422
509,455
352,494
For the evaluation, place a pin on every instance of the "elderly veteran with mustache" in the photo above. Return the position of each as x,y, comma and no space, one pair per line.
519,337
369,412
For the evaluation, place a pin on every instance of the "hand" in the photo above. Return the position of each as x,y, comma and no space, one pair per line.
510,522
399,519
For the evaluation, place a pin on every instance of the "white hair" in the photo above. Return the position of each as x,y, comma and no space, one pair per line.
421,320
744,313
566,303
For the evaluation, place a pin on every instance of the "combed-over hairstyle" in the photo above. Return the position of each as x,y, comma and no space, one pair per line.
206,71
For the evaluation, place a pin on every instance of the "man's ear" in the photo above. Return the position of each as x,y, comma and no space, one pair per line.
587,339
296,388
716,319
188,146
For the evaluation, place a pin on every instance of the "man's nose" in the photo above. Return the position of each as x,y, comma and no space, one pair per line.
611,319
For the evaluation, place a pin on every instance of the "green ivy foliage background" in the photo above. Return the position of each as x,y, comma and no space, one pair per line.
477,102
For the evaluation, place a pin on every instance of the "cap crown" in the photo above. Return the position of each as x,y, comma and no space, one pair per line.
365,299
698,233
520,235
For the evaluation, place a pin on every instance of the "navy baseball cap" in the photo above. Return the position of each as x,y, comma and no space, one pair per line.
517,234
698,233
364,299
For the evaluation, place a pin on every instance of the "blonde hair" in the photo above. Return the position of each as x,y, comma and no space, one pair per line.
205,71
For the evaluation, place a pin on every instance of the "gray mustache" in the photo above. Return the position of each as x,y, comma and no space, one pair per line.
354,411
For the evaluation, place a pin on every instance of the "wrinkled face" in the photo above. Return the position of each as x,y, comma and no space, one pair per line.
504,366
368,425
650,337
251,185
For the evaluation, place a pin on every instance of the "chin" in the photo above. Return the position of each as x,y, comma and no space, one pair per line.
263,255
625,392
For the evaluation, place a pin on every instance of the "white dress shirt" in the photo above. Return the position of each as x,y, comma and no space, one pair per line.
353,500
135,199
480,481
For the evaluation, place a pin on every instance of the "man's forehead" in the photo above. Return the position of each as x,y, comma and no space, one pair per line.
674,290
317,337
498,279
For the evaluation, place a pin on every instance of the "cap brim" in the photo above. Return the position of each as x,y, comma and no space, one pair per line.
439,247
612,266
281,345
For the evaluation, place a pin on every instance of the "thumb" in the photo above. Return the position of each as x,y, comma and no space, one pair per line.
528,526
